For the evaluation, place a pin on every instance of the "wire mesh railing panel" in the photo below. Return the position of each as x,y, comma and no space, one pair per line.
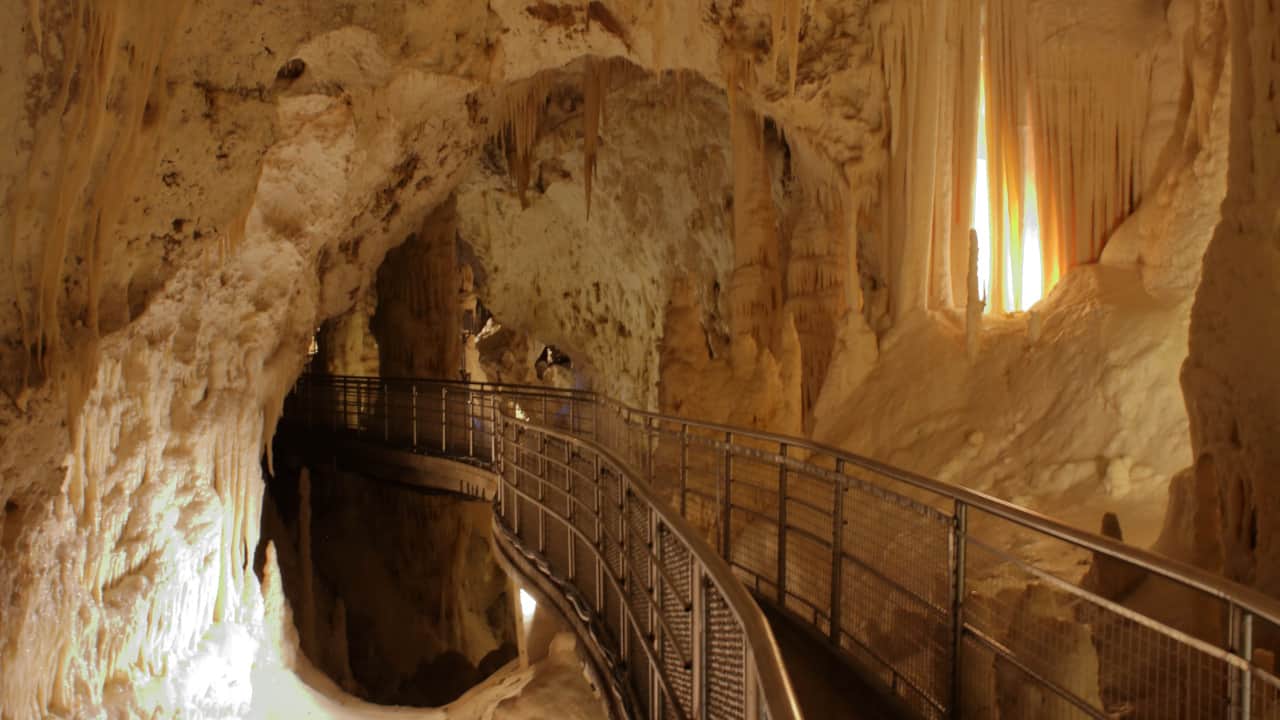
996,687
1265,694
640,572
668,452
1263,682
895,593
726,660
1098,633
676,607
642,681
808,580
611,520
704,488
906,640
648,605
901,539
808,562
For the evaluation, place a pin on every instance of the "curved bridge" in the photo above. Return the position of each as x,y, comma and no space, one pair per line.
652,529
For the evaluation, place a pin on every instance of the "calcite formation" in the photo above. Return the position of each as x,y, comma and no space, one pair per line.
754,211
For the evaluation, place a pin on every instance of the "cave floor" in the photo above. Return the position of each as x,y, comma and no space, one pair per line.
823,683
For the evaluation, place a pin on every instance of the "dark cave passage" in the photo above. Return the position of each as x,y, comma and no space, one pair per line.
404,603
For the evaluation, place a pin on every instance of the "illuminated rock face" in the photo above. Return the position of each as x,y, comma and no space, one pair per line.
1233,395
193,188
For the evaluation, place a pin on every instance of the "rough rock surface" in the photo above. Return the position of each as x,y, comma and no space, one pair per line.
193,188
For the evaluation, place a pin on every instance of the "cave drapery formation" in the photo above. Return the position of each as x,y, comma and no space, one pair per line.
754,212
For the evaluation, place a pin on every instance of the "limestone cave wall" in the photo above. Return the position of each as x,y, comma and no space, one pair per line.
193,189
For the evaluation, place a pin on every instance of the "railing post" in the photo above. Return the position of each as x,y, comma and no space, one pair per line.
386,414
655,628
569,508
1240,641
494,427
698,637
782,528
726,513
684,468
649,449
542,493
1246,691
837,552
959,535
471,425
515,479
599,535
444,419
413,415
624,547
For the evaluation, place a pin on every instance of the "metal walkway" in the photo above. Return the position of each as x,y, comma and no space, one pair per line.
647,523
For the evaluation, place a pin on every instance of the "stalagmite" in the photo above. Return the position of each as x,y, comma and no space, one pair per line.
975,305
1035,326
817,273
307,622
340,650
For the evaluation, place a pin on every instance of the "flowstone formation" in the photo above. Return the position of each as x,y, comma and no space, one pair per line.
754,212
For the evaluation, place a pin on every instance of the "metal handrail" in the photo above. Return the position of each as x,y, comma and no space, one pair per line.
366,406
1258,603
942,537
771,676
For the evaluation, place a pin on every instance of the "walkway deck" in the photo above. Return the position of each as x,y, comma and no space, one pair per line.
823,683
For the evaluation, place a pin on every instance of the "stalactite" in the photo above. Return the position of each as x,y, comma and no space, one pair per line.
958,155
755,288
793,36
595,87
817,267
785,35
1006,77
821,179
516,122
659,33
105,41
1073,118
912,39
